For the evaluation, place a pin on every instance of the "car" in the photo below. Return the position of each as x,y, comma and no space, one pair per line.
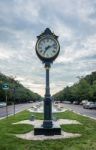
76,102
2,104
30,101
83,102
90,105
57,102
66,102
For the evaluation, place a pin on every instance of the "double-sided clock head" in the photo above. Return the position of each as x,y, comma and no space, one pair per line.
47,48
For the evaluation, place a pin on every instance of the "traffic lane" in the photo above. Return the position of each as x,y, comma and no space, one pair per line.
81,110
2,111
19,107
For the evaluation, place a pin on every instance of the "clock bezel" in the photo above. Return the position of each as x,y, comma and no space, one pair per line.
42,58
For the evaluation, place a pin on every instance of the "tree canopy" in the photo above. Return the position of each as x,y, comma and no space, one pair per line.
84,89
16,89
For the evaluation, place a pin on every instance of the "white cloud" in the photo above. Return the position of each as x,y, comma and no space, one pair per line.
63,31
36,87
5,53
28,10
73,21
74,52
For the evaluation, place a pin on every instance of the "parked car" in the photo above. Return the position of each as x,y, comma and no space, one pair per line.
83,102
2,104
66,102
76,102
57,102
90,105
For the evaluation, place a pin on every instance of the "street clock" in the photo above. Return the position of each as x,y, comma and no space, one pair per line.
47,49
47,46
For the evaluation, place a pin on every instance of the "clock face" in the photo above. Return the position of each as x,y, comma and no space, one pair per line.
47,47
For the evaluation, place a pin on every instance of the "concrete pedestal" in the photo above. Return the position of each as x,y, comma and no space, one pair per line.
40,130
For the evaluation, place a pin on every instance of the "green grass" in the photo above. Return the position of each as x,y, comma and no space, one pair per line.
86,142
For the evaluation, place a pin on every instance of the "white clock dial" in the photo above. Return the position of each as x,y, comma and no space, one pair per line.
47,47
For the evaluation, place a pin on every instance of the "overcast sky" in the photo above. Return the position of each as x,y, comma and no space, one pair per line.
74,21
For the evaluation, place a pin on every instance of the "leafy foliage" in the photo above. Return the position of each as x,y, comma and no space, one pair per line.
84,89
17,91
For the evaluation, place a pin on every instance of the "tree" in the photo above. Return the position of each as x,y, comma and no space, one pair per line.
22,94
94,91
84,89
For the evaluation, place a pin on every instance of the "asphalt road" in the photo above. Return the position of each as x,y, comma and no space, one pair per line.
10,109
21,107
81,110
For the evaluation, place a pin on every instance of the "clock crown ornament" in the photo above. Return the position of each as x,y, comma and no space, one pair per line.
46,32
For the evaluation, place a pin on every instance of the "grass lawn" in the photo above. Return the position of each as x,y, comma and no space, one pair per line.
86,142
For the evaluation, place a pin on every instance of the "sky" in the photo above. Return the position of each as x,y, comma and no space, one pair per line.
21,21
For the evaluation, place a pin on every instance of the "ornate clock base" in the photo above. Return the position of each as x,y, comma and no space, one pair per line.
54,130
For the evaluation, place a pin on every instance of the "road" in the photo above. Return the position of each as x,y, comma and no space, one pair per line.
81,110
21,107
18,108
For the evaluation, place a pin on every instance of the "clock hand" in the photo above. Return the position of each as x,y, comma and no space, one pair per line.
46,48
50,46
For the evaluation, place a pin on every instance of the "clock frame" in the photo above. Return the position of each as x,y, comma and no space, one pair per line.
47,35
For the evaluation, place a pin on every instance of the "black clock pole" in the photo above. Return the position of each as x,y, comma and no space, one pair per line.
47,123
47,42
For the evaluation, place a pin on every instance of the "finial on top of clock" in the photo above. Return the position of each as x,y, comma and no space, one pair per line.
47,31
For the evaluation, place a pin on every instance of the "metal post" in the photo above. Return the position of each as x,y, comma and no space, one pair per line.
6,104
47,102
14,100
47,94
